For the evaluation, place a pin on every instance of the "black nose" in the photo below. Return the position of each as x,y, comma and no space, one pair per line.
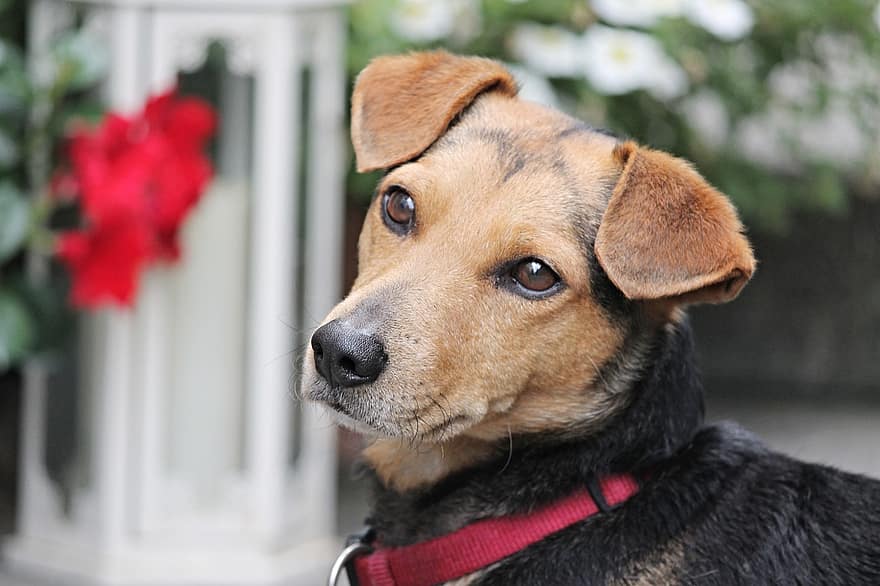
347,357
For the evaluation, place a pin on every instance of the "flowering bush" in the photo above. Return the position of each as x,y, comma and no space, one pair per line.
136,178
115,205
33,110
776,101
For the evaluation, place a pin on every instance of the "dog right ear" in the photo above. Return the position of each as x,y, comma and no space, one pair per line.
402,104
669,235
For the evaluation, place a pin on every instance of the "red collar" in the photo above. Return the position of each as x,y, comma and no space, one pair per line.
481,543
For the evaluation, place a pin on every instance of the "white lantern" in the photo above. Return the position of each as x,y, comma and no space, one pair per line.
185,457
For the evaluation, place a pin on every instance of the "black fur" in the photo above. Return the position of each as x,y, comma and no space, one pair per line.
609,297
716,507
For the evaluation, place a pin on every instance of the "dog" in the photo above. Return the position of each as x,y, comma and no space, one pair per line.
515,348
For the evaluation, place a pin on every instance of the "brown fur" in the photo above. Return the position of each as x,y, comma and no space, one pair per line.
432,88
662,568
470,363
668,233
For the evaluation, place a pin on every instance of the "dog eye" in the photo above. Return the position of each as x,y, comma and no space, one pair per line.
534,275
399,210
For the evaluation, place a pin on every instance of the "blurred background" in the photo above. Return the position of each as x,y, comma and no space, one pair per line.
150,428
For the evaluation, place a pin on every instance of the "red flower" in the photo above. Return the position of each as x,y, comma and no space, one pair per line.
186,120
137,179
63,186
105,262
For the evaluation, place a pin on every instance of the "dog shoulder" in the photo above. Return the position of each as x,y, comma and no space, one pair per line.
769,518
727,511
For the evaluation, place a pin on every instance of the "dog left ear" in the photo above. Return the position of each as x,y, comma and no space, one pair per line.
402,104
668,234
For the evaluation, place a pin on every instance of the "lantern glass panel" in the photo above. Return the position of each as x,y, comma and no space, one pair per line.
66,454
206,298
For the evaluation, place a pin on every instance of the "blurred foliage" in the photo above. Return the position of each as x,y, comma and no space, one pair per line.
34,112
775,101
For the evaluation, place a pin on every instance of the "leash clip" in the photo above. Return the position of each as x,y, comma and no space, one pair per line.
356,545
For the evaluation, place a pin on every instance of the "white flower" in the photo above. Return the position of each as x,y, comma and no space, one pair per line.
618,61
643,13
423,21
669,80
705,113
834,136
846,65
778,137
550,50
762,139
468,17
794,82
534,87
726,19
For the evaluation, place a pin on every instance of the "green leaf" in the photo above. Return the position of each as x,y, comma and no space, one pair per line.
828,191
9,151
16,329
14,220
54,322
81,60
82,111
14,84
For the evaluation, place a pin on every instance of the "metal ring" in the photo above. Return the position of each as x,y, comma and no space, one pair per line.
347,555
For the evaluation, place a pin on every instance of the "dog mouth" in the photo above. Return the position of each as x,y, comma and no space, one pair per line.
319,391
374,417
413,427
347,408
346,418
349,417
445,429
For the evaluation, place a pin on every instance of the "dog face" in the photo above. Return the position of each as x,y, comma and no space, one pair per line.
505,258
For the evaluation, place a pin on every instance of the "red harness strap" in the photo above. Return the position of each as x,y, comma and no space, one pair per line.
483,543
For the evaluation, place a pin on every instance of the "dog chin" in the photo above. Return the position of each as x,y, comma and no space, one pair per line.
318,391
390,430
343,420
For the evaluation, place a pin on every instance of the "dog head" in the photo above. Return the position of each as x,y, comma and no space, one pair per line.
507,253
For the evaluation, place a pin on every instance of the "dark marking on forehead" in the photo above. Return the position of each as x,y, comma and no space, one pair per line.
609,133
513,167
606,294
557,162
585,220
583,128
586,226
578,201
511,158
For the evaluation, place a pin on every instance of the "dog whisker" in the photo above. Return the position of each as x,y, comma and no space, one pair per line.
444,415
598,371
509,451
298,353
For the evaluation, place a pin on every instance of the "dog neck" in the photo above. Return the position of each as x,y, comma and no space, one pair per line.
523,472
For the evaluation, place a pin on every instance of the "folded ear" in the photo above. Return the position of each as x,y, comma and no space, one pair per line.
402,104
667,233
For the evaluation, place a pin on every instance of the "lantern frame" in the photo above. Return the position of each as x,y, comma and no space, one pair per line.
279,522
